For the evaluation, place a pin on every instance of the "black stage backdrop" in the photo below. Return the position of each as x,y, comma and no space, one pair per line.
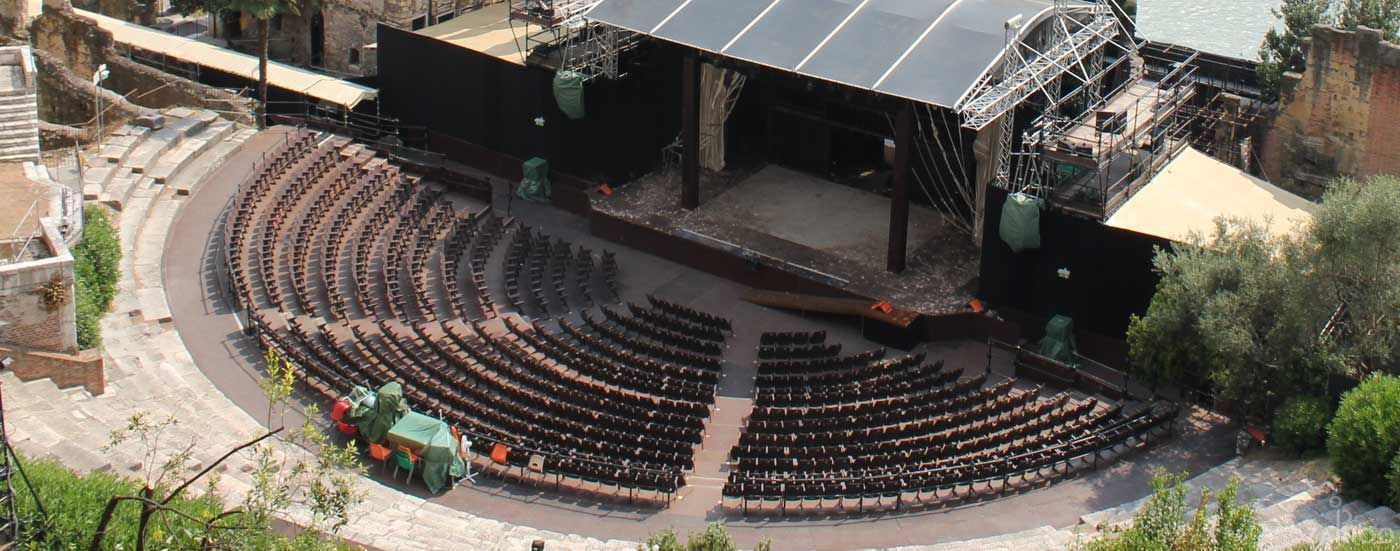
492,104
1111,275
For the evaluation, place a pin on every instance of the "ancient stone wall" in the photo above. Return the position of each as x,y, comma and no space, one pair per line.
78,44
66,98
1339,116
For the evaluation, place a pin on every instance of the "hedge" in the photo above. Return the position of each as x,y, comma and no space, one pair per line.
96,270
1301,423
1364,438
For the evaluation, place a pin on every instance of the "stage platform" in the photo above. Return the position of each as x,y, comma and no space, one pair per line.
832,234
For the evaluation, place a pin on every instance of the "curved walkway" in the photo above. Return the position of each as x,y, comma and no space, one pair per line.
213,338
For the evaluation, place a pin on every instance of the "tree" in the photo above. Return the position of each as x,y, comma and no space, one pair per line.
1282,50
261,10
322,482
1226,307
1355,266
1383,15
1261,315
1162,523
264,11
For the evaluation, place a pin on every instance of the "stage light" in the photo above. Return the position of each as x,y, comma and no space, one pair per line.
1064,273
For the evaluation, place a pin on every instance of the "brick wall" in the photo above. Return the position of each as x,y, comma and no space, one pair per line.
25,319
65,370
1339,116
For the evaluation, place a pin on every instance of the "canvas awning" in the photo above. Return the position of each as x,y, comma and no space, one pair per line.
930,51
307,83
1195,189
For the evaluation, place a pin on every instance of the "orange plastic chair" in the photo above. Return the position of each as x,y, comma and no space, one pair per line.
499,453
379,453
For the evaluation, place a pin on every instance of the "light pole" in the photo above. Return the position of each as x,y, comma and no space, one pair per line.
97,77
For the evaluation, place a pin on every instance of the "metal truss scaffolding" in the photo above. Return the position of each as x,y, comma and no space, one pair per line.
586,48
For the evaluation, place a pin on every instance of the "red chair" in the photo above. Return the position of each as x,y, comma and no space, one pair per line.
500,453
339,410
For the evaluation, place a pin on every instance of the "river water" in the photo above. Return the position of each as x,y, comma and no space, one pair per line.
1228,27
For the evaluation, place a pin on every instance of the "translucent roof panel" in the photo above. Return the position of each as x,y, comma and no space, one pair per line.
711,24
872,41
975,30
634,15
790,31
930,51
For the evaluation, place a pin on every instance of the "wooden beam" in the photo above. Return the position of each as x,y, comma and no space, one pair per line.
899,199
690,133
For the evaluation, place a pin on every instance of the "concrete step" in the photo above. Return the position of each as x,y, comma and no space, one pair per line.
118,188
29,124
27,115
18,107
179,158
212,157
115,149
158,143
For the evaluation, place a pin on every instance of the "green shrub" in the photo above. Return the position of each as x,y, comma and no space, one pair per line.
1364,437
1163,524
1300,424
96,270
712,538
74,503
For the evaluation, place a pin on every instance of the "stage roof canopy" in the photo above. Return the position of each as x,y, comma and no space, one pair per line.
307,83
930,51
486,29
1195,189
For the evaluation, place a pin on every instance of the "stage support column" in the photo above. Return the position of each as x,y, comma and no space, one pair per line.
899,199
690,133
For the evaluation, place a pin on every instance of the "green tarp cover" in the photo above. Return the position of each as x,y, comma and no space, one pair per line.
1020,222
361,401
375,421
535,185
432,440
568,93
1058,343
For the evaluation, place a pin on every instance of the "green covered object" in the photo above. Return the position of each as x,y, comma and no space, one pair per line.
535,185
568,93
432,440
1058,343
361,401
1020,222
375,419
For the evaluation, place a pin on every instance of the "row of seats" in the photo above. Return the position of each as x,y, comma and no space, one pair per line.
860,427
362,275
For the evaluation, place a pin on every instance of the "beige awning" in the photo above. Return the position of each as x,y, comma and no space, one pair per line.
486,29
308,83
1195,189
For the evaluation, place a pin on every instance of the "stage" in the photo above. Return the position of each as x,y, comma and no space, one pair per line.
828,233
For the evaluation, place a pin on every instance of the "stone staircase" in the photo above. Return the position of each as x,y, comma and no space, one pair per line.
19,105
136,160
1293,506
